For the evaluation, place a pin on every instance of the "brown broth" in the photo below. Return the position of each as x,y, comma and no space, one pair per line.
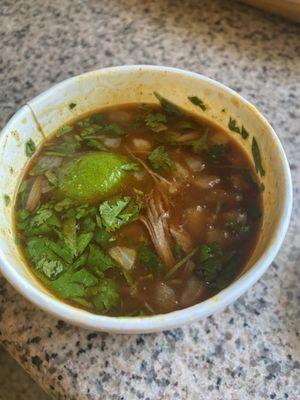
210,199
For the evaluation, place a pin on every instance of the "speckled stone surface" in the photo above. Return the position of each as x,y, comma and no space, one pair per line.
249,351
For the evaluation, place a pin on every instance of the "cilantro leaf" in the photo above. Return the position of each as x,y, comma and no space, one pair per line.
197,102
216,154
168,106
99,119
115,129
244,133
23,193
52,178
82,242
42,222
156,122
148,258
95,144
50,268
217,267
6,199
30,148
73,284
63,129
201,143
69,232
232,125
160,159
257,158
85,210
44,258
118,212
130,167
63,149
98,259
238,227
102,237
178,249
63,205
72,105
107,297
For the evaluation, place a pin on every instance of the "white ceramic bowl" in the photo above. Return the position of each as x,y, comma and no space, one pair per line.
117,85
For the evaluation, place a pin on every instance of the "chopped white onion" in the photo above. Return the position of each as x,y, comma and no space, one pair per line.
165,297
139,175
112,142
195,164
207,182
141,144
192,292
124,256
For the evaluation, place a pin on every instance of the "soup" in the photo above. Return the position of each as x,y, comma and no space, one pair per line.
139,209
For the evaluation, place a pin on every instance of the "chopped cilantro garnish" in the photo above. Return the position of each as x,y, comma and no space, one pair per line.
45,259
118,212
95,144
130,167
156,122
216,153
244,133
168,106
257,158
6,199
63,149
63,205
43,221
30,148
217,267
63,129
115,129
72,105
98,119
73,284
160,159
197,102
201,143
102,237
238,227
107,296
178,249
148,258
52,178
98,259
232,125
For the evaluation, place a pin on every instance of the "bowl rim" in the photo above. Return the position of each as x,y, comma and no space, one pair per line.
177,318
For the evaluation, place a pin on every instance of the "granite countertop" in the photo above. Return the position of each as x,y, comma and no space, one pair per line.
249,351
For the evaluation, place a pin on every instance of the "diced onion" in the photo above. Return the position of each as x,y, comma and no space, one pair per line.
112,142
141,144
207,182
165,298
124,256
195,164
192,292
